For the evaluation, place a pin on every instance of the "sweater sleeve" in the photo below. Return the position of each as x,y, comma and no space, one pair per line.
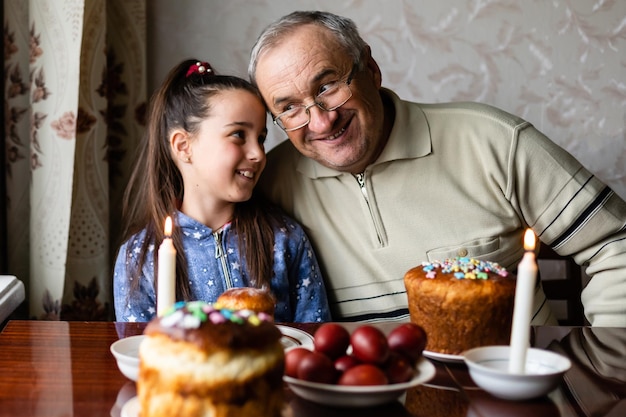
138,305
575,213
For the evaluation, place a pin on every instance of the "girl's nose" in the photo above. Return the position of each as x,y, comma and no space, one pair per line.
255,152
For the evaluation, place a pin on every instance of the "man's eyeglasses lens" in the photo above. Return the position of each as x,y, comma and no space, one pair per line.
335,96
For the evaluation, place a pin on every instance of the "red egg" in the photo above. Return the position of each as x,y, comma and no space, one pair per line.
293,358
331,339
369,345
345,362
317,367
398,368
363,374
408,339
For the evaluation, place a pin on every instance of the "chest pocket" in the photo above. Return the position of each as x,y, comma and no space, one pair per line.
479,248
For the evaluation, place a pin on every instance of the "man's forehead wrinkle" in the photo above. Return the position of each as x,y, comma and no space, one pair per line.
298,89
298,66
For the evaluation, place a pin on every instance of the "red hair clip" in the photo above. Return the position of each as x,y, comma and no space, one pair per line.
199,68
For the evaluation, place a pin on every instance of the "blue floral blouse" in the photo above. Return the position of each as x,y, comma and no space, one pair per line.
297,283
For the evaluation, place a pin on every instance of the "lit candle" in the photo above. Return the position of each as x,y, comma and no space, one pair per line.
524,292
166,282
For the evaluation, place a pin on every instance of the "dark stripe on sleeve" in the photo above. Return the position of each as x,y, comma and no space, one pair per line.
371,298
545,300
567,205
608,243
375,316
598,202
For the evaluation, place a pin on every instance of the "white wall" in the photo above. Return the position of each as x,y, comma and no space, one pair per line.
561,64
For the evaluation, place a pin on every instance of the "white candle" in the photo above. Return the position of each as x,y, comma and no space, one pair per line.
166,282
522,311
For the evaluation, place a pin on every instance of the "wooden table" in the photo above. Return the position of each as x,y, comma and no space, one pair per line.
66,369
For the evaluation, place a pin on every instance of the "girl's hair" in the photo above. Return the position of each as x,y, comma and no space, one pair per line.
155,189
344,30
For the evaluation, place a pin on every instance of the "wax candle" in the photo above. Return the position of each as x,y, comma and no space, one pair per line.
522,311
166,281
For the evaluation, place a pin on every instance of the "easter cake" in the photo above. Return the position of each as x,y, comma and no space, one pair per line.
199,360
461,303
247,298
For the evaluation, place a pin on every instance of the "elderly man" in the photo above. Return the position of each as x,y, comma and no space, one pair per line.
382,184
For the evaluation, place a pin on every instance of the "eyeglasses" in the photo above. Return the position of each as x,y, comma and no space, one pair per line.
333,96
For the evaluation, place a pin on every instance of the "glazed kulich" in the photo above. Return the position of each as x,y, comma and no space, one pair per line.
248,298
198,360
461,303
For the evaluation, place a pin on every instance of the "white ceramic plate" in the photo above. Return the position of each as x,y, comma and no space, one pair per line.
131,408
358,396
293,337
443,357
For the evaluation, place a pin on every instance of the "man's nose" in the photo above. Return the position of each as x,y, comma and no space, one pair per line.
320,119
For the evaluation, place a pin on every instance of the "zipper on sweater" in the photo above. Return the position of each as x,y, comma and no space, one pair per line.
221,255
360,178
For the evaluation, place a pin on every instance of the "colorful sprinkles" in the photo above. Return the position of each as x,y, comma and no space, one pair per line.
463,268
190,315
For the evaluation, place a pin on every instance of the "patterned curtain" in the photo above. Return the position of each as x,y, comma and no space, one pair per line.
75,94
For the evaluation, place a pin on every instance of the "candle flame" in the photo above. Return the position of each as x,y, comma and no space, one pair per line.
529,240
168,227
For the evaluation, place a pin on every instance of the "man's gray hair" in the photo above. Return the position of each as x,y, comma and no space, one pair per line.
344,30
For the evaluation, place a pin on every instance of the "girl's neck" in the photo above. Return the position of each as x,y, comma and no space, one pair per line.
215,217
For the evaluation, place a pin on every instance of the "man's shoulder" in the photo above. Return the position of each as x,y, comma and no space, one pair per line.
471,111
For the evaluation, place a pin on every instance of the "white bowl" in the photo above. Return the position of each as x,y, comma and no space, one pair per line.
358,396
126,352
488,367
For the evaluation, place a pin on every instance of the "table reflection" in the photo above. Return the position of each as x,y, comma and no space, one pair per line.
484,404
298,407
127,392
433,401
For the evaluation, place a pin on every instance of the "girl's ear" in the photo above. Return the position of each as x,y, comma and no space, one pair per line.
180,145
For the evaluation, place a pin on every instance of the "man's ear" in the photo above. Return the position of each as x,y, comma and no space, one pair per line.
180,145
370,64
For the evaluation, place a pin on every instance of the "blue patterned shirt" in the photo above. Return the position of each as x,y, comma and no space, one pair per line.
296,284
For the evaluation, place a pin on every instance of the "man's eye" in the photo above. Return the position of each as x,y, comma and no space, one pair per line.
290,107
327,88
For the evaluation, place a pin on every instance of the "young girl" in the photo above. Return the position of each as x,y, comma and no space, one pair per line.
200,161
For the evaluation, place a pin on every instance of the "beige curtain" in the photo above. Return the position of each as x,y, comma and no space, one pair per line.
75,94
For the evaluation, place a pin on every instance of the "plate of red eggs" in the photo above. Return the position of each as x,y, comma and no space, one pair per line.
362,368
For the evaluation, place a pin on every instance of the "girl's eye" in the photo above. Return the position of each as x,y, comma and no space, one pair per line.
239,134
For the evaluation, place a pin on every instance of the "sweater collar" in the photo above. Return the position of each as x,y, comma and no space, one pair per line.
409,139
192,227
